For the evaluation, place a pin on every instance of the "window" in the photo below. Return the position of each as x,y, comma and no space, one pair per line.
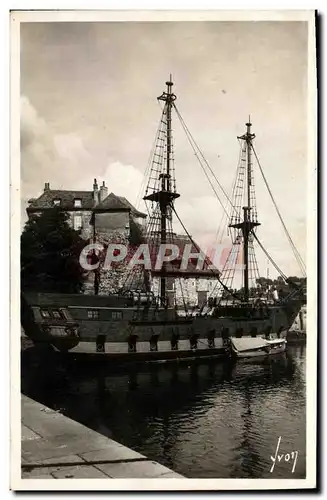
225,333
239,333
93,314
174,341
45,313
64,314
154,342
77,202
56,314
77,222
132,339
100,343
116,315
211,343
56,202
194,341
211,339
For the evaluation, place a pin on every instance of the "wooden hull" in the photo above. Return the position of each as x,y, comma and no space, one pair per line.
114,359
99,316
114,355
121,334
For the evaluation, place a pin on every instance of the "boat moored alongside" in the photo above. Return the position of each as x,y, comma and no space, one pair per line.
247,348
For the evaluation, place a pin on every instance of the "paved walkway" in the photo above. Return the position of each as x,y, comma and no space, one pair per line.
56,447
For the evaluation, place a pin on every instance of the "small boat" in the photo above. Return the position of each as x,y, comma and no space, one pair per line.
256,347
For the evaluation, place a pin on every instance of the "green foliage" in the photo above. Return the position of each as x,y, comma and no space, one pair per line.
284,288
136,235
50,251
279,283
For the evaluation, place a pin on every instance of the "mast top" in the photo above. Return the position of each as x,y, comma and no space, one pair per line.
164,191
170,82
168,96
248,136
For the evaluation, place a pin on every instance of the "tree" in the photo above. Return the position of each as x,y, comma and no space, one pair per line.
264,282
50,251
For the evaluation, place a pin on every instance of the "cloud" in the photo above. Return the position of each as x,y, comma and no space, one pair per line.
47,156
65,162
36,145
124,180
68,162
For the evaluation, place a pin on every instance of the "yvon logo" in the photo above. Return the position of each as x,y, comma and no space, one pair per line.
284,457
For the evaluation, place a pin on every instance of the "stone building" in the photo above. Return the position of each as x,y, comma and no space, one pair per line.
99,216
82,205
106,218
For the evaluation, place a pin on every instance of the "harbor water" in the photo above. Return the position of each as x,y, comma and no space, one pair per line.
201,420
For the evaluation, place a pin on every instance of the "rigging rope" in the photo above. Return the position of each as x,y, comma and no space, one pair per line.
149,166
294,249
206,260
198,152
270,258
234,209
220,229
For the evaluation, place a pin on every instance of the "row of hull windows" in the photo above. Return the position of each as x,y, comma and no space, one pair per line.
118,315
174,342
52,314
153,344
94,314
91,314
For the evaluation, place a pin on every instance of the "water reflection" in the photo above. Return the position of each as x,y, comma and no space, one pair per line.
209,420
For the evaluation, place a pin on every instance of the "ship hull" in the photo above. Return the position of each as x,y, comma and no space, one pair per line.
128,334
108,358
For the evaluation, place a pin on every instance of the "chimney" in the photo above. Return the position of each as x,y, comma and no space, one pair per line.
95,191
46,186
103,191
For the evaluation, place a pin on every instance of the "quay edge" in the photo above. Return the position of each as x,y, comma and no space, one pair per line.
55,447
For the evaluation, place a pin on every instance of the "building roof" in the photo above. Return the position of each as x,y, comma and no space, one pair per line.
111,203
114,202
46,200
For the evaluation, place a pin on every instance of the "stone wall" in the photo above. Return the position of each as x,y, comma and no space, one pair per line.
108,222
113,228
191,291
119,228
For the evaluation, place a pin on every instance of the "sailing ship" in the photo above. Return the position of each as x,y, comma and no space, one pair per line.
142,322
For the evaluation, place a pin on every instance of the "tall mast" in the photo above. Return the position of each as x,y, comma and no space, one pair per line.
248,222
249,138
169,97
164,196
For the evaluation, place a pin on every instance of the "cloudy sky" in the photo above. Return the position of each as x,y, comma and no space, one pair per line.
89,109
